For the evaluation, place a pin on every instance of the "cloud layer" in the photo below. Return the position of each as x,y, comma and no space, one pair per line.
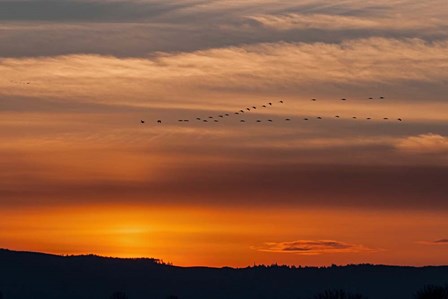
313,247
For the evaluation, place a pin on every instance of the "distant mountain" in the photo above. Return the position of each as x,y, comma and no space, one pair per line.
28,275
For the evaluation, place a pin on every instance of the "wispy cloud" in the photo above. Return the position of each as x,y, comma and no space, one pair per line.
424,144
313,247
435,242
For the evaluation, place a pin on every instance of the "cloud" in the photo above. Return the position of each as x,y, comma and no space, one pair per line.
342,22
313,247
424,144
436,242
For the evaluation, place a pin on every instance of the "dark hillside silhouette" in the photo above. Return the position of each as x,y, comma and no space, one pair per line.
338,294
25,275
432,292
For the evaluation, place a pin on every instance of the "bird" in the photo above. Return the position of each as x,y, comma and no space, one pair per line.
381,97
242,121
221,116
270,104
368,118
210,117
270,120
236,113
313,100
264,106
248,109
281,102
305,119
370,98
258,121
180,120
385,118
399,119
227,114
354,117
287,119
206,121
142,121
242,111
337,116
198,118
216,120
319,117
159,121
254,107
343,99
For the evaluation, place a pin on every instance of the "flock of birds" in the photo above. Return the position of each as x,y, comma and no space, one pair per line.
252,108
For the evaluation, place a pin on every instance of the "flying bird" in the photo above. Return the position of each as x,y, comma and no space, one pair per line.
142,121
159,121
287,119
343,99
206,121
385,118
227,114
337,116
368,118
305,119
254,107
216,120
313,100
354,117
258,121
381,97
242,121
198,118
248,109
270,120
319,117
221,116
264,106
270,104
281,102
399,119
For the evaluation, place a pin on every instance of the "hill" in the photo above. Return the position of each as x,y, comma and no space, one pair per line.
25,275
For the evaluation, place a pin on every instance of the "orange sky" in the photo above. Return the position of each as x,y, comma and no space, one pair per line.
81,174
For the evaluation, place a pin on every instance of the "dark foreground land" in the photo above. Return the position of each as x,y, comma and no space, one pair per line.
25,275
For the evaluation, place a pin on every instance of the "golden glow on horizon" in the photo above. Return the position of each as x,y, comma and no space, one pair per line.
223,236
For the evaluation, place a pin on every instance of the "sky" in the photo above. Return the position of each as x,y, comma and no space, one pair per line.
81,174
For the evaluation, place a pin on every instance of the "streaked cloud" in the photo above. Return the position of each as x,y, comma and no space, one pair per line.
313,247
424,144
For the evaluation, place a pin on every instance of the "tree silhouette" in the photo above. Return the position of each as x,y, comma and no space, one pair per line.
432,292
118,295
338,294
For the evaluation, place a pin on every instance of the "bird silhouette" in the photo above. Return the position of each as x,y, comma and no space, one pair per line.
216,120
258,121
385,118
343,99
313,100
206,121
210,117
159,121
305,119
370,98
269,120
368,118
337,116
142,121
180,120
270,104
198,118
382,98
319,117
264,106
254,107
354,117
242,121
221,116
248,109
287,119
227,114
242,111
399,119
281,102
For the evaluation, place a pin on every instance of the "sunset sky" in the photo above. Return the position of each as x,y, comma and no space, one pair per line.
80,174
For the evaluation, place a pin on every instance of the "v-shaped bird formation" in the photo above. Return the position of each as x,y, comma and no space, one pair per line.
251,109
